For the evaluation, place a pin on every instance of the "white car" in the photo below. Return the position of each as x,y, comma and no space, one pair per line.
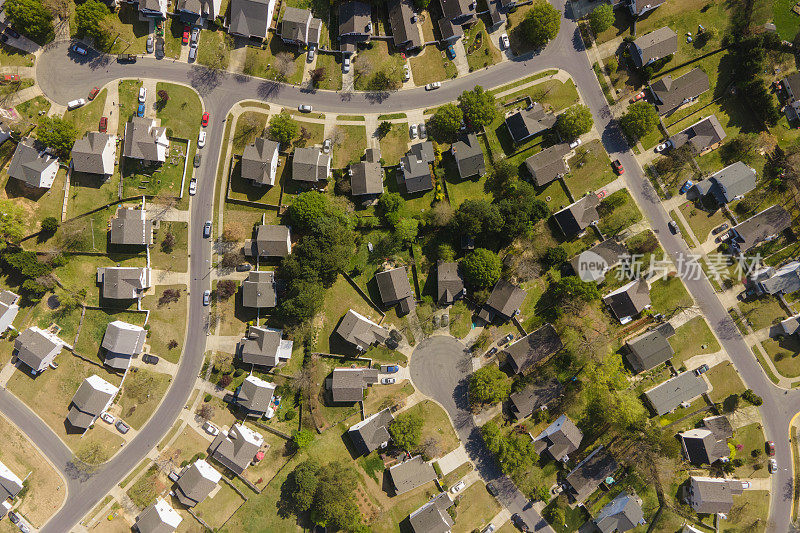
488,529
326,146
663,146
149,44
346,65
406,72
310,56
575,143
195,35
107,418
211,429
207,297
458,487
504,44
304,108
201,139
413,131
773,466
388,381
192,52
142,94
432,86
76,103
192,186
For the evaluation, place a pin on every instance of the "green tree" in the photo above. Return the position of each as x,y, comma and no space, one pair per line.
49,225
514,453
541,24
32,18
478,107
520,209
301,439
406,430
303,300
447,120
601,18
489,385
574,122
406,230
12,221
303,483
311,208
478,218
384,128
90,20
422,4
283,128
571,292
389,205
57,133
639,120
744,147
555,256
445,252
481,268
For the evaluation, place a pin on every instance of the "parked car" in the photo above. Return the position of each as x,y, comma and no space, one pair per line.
492,351
745,484
192,52
79,49
126,58
491,488
243,267
122,427
413,131
74,104
107,418
423,131
720,228
23,528
192,186
10,78
211,429
304,108
93,93
201,139
197,159
388,381
103,127
310,55
770,448
185,39
149,44
12,32
159,48
575,143
142,94
673,227
508,338
207,229
207,297
406,72
519,522
391,369
433,86
140,110
618,168
326,146
637,97
664,146
451,52
773,466
688,184
150,359
504,44
488,529
204,120
195,36
457,487
14,517
702,369
346,65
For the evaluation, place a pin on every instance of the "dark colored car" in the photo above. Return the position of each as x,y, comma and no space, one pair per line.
103,124
491,352
150,359
702,369
686,186
451,52
12,32
126,58
720,229
770,448
243,267
79,49
197,159
519,522
673,227
122,427
93,93
618,168
14,517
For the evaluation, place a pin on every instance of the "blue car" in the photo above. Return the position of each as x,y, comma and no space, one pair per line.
686,186
451,52
140,111
392,369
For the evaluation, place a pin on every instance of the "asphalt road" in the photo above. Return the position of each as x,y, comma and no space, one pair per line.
64,76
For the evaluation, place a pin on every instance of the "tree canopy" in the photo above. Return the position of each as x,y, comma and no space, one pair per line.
326,491
478,218
57,133
12,220
447,120
90,18
513,452
489,385
601,18
406,430
283,128
574,122
478,107
481,268
541,24
32,18
639,120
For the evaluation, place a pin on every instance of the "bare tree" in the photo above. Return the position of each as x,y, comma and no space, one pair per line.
284,65
233,232
337,136
60,8
163,201
250,64
206,411
248,126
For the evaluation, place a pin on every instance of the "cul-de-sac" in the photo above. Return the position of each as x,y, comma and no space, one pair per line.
415,266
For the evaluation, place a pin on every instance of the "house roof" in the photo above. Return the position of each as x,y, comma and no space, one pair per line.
533,397
469,156
263,346
259,290
295,24
93,152
92,398
404,31
792,84
667,396
158,517
549,164
393,286
702,135
355,18
760,227
590,473
456,9
255,394
449,28
361,331
366,178
35,345
791,325
449,283
271,240
433,516
30,163
415,170
309,164
236,448
348,384
411,474
370,433
122,338
123,283
505,299
713,495
560,438
719,425
630,299
495,17
703,446
10,484
729,183
8,306
655,45
534,348
577,216
784,280
621,514
527,122
671,94
257,160
249,17
196,482
650,349
144,140
585,264
131,227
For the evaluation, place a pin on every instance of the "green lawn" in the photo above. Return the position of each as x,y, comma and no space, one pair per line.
701,221
211,43
436,425
762,312
784,353
395,144
482,52
216,511
30,109
249,125
80,268
615,220
460,320
751,509
261,61
128,101
38,204
141,177
377,58
787,21
431,65
669,296
692,338
141,394
172,259
746,440
87,118
94,326
167,323
590,169
173,38
182,112
725,381
338,300
130,31
314,134
332,80
474,507
244,190
349,143
11,57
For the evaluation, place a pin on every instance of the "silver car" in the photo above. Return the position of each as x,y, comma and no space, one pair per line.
150,42
193,52
195,35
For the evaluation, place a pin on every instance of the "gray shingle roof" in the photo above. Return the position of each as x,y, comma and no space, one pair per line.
654,45
533,349
91,399
549,164
577,216
366,178
131,227
433,516
731,182
784,280
271,241
236,449
505,299
196,482
354,18
528,122
122,341
623,513
257,161
585,264
415,170
348,384
249,17
649,349
560,438
713,495
533,397
449,283
94,153
590,473
667,396
703,446
629,300
264,347
36,348
394,287
372,432
404,32
671,94
469,156
142,139
10,484
760,227
309,164
159,517
254,395
361,331
259,289
123,283
298,25
411,474
702,135
31,164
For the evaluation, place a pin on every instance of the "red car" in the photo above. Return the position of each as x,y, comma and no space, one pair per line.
185,36
8,78
204,120
770,448
93,93
618,168
638,97
103,124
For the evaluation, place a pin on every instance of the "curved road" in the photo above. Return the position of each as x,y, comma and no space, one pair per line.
63,77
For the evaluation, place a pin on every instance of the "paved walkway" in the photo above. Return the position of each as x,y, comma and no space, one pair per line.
487,414
710,359
453,460
164,277
460,61
111,107
150,98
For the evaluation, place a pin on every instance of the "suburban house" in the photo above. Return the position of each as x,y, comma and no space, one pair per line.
33,165
347,384
534,397
468,153
549,164
669,94
703,136
623,513
594,263
355,25
759,228
783,280
131,227
526,123
504,302
729,184
411,474
192,12
495,14
250,18
236,448
640,7
158,517
371,433
300,28
37,348
94,153
90,400
415,168
584,479
260,161
449,283
264,347
259,289
123,283
8,309
366,177
195,482
559,439
683,388
712,495
309,165
433,516
122,341
271,240
455,14
707,444
653,46
155,9
360,331
403,21
10,484
144,140
532,349
791,325
650,349
791,85
576,217
254,396
629,300
395,289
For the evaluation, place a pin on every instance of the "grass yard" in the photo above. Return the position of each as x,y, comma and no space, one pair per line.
725,381
132,33
746,440
460,320
315,134
377,58
475,507
94,326
394,145
128,101
338,300
37,203
553,94
431,65
784,353
436,424
692,338
332,65
80,268
216,511
141,177
141,394
89,191
87,118
669,296
173,38
249,125
349,143
590,169
214,49
174,258
182,112
12,57
167,323
30,110
786,21
402,506
260,61
241,189
481,51
751,509
762,312
613,220
701,221
147,488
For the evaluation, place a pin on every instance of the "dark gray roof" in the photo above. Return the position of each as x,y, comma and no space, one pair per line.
271,241
257,161
310,164
348,384
702,135
791,84
404,32
577,216
236,449
158,517
372,432
590,473
88,153
703,446
415,170
760,227
121,341
784,280
411,474
131,227
361,331
10,484
495,17
559,439
91,398
449,283
629,300
713,495
141,135
450,29
528,122
533,349
649,350
259,289
433,516
295,23
263,346
354,18
667,396
623,513
533,397
469,156
30,162
671,94
196,482
654,45
34,347
123,283
719,425
249,17
791,325
197,7
505,300
366,178
254,395
585,264
461,10
549,164
731,182
394,287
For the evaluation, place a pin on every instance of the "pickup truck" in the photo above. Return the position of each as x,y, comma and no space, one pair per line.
126,58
